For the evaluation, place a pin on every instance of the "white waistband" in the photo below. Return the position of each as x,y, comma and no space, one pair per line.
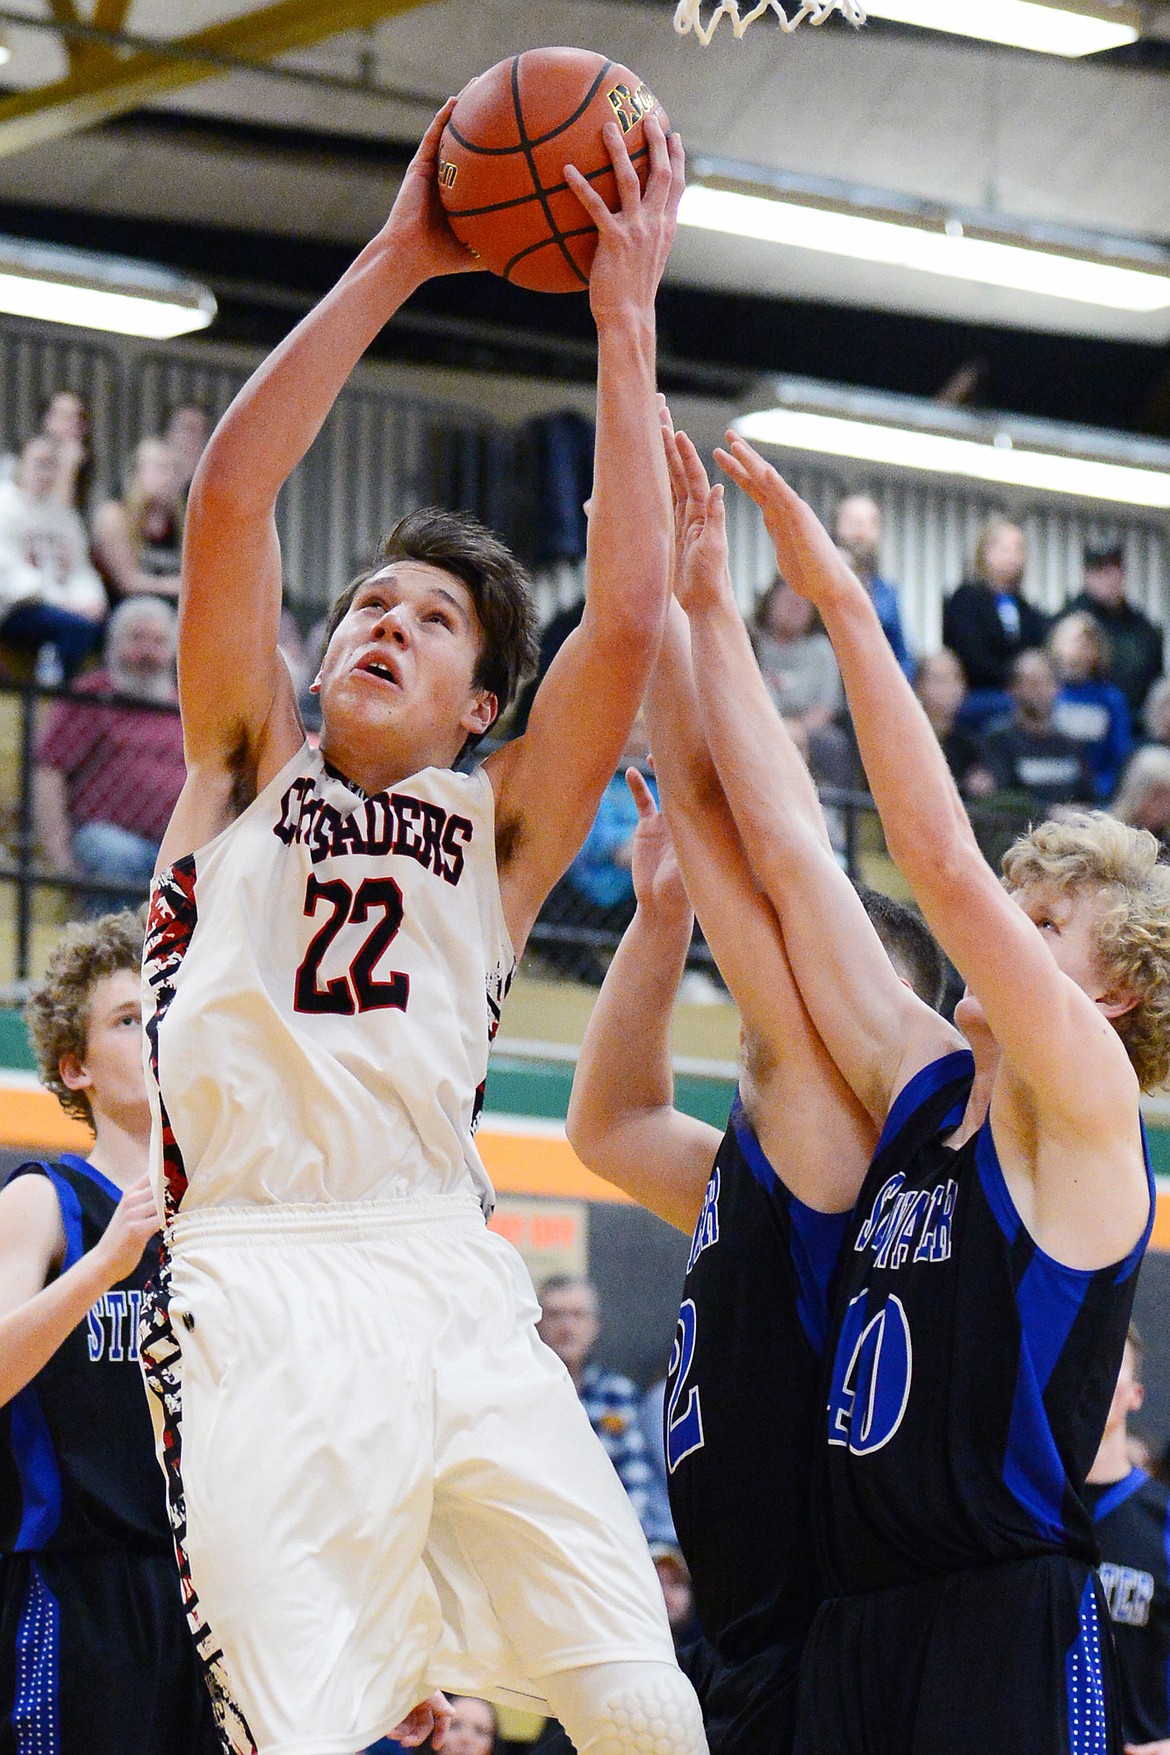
313,1222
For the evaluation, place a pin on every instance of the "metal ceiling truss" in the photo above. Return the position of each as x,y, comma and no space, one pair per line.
107,76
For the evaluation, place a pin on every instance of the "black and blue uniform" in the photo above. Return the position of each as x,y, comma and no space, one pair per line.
970,1379
1132,1521
95,1654
742,1414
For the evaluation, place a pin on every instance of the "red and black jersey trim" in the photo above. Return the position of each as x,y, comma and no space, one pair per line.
171,923
162,1366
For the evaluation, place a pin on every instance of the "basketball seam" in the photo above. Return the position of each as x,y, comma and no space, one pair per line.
542,244
523,200
526,149
541,139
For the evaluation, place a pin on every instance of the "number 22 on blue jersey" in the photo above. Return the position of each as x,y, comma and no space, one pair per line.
684,1430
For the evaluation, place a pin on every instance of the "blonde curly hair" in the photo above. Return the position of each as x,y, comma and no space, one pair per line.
1090,851
57,1010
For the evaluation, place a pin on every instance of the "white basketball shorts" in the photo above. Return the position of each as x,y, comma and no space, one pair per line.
381,1481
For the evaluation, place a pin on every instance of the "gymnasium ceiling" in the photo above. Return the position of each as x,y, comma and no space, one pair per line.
128,133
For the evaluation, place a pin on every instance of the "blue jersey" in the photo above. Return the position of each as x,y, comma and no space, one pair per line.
1132,1521
743,1400
77,1465
971,1374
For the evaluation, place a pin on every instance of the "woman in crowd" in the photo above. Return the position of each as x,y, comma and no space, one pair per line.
801,675
987,622
50,595
1089,708
138,541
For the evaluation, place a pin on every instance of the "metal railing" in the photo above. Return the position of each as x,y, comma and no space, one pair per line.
572,938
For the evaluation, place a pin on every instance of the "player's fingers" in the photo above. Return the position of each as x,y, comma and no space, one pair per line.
625,176
658,183
428,146
588,197
678,169
692,463
641,794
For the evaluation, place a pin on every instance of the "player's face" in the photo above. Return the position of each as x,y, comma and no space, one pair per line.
398,671
472,1730
110,1071
1068,923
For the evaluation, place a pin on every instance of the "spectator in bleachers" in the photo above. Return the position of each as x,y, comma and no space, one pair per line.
64,418
857,528
1135,642
138,540
1143,798
1089,708
187,430
678,1594
471,1730
800,673
570,1324
987,621
940,687
1028,755
50,595
107,775
659,1520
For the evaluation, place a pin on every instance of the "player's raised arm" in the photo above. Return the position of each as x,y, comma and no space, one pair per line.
803,1111
875,1029
238,708
548,783
622,1122
1072,1078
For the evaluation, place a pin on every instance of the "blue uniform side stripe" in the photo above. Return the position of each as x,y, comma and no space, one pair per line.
38,1667
92,1173
1118,1493
816,1237
1088,1723
35,1456
921,1088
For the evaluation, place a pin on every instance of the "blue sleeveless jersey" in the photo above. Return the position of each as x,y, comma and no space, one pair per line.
77,1465
743,1400
971,1374
1132,1521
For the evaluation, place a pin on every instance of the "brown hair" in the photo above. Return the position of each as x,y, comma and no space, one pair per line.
498,584
57,1010
1089,852
908,942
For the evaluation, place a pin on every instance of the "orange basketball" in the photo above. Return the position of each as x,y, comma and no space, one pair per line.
503,154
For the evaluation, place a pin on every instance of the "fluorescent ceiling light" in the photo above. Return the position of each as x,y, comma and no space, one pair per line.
997,460
89,291
951,252
1021,24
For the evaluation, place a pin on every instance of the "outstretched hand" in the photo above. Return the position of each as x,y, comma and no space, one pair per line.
805,553
658,884
417,221
633,243
700,529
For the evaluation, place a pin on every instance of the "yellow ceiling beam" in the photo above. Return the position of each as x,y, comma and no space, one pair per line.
97,88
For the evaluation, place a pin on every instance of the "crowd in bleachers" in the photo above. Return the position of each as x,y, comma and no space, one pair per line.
1033,711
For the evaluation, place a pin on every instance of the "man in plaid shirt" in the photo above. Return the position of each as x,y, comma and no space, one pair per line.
570,1325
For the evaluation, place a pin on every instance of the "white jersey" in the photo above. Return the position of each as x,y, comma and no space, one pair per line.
321,983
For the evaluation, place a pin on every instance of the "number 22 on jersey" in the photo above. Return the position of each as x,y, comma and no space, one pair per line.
361,989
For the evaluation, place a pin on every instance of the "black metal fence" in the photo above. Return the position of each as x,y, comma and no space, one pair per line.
88,779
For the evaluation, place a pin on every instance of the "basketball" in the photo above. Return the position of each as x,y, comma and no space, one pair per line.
504,152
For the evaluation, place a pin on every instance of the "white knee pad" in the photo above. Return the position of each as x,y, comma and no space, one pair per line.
628,1709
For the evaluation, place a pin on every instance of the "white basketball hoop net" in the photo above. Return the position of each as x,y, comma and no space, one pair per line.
689,15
